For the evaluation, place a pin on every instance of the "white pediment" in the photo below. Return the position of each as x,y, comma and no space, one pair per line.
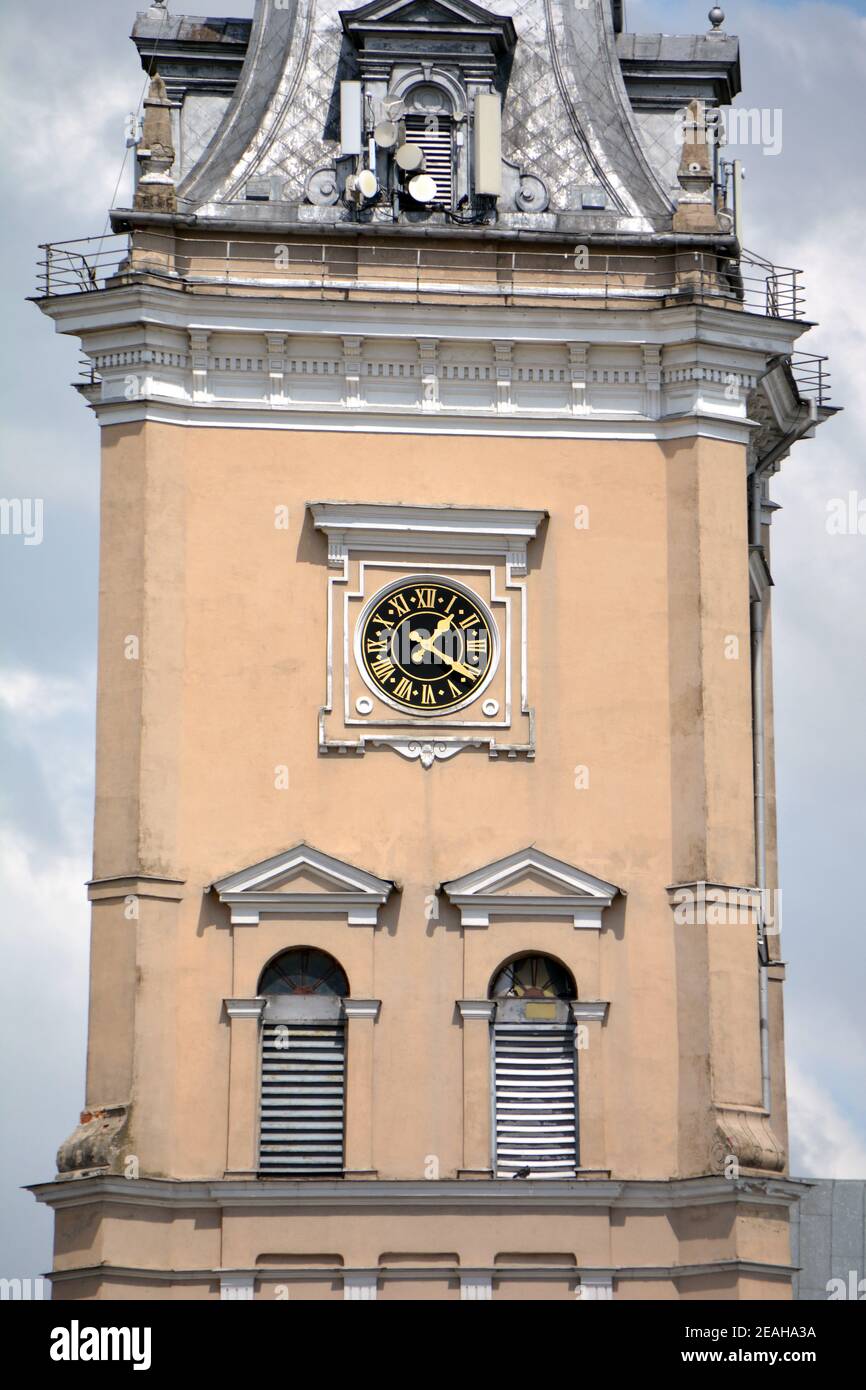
303,881
393,14
530,884
434,529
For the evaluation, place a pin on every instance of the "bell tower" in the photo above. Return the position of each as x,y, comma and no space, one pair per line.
435,952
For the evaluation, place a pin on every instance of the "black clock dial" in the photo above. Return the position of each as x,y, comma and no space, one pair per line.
426,646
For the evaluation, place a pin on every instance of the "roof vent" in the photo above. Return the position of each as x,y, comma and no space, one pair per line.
258,191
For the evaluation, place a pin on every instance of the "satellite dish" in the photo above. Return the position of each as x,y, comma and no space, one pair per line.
368,184
362,185
410,158
385,135
422,188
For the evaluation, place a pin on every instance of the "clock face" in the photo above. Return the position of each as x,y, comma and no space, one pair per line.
426,645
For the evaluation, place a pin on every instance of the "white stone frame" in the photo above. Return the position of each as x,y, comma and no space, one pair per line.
482,532
481,894
249,895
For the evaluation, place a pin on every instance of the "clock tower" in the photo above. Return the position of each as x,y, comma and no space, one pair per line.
435,948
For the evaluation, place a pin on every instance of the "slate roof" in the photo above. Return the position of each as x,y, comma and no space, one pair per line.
567,116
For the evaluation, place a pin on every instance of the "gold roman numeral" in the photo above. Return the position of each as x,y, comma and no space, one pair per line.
379,645
454,689
398,601
427,696
426,598
468,622
403,689
382,668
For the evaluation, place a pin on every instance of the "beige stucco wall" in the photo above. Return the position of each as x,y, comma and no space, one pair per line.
629,676
417,1253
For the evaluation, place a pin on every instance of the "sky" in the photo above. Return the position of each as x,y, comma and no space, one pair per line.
71,76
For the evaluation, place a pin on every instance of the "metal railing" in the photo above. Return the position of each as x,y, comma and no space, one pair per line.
812,377
336,268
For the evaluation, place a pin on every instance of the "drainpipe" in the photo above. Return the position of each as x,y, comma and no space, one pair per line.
762,465
759,780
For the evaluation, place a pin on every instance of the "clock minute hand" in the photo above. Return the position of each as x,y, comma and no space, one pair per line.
458,666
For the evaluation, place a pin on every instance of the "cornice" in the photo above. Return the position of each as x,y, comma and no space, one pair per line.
400,1273
577,371
460,423
480,1193
433,529
129,305
465,369
137,886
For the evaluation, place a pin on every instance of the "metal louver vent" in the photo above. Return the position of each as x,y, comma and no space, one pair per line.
434,135
302,1098
535,1086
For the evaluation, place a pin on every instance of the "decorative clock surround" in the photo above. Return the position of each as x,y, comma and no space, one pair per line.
427,629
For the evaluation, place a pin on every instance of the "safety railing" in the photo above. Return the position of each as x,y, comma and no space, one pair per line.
335,267
812,377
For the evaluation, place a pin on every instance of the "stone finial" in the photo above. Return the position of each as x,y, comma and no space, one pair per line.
696,211
155,190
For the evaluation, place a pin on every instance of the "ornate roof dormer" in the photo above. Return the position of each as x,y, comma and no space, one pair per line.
454,33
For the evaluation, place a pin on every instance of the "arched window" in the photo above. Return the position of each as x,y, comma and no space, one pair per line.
533,977
303,1072
534,1070
305,970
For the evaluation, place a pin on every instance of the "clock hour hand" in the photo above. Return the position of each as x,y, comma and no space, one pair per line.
426,643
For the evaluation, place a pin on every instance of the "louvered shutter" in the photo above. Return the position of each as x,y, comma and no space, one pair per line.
437,143
302,1097
535,1095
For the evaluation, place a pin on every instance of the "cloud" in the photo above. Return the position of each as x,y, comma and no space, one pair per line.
34,698
823,1142
44,941
46,737
61,117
